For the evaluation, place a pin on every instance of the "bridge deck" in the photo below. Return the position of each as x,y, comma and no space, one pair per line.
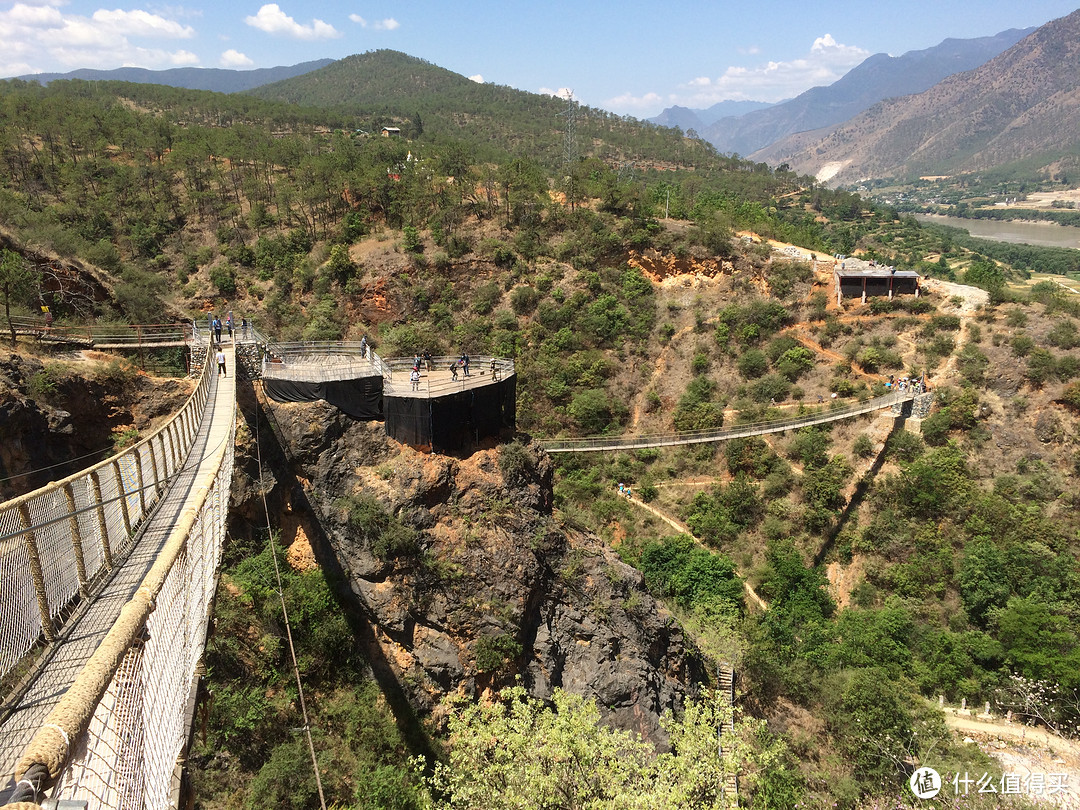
85,632
321,368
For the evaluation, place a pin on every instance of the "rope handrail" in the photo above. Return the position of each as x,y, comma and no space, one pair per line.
594,443
155,643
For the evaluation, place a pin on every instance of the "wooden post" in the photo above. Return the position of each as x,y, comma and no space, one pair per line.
103,526
123,497
37,574
139,478
153,465
76,540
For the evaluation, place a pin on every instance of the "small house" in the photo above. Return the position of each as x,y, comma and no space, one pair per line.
855,278
391,132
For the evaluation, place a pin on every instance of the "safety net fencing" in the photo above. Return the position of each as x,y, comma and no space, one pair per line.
59,542
135,697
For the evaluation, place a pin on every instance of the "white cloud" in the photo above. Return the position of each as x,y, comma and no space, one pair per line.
389,24
186,58
141,24
562,92
477,78
46,34
826,62
272,20
629,103
233,59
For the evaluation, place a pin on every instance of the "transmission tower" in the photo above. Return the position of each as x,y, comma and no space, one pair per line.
570,139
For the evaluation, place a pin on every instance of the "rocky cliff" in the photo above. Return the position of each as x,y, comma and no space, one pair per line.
470,582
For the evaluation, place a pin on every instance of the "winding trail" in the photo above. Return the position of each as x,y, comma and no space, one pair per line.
682,528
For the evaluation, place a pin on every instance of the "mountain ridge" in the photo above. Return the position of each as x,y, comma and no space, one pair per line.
220,80
1019,106
876,78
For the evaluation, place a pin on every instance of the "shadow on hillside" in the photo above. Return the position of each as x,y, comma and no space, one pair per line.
857,496
276,459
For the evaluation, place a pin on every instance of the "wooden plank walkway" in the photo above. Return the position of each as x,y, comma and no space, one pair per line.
84,634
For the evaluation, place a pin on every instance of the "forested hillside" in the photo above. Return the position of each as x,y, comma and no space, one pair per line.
648,286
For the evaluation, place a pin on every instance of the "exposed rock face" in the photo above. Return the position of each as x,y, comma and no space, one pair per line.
1048,427
498,588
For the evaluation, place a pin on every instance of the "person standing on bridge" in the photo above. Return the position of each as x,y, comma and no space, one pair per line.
465,362
221,361
414,378
217,331
363,346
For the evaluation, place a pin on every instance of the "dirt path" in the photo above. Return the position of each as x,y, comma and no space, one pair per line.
1017,731
682,528
1025,751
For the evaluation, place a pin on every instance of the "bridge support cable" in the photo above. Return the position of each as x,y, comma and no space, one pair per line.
115,735
285,616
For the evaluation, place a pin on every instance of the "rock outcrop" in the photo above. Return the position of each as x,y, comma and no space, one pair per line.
493,587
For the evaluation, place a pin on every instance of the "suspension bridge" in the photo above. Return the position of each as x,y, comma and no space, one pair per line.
107,576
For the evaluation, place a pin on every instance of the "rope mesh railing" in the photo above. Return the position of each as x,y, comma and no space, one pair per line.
722,434
128,756
57,541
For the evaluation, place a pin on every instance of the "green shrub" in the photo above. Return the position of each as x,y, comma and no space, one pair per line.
1022,344
516,464
42,386
524,299
863,446
388,537
223,277
485,297
752,363
493,653
411,241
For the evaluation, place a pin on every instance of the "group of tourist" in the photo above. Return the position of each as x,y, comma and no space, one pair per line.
914,384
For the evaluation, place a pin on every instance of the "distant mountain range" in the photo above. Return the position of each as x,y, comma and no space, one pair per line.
687,119
878,77
220,80
1021,109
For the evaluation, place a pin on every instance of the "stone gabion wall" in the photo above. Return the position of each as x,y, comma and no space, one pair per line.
920,408
198,359
249,360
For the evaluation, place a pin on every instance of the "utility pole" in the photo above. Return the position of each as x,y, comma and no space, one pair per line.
570,155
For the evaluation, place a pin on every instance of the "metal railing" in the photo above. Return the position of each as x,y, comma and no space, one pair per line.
827,414
482,370
295,352
58,541
113,334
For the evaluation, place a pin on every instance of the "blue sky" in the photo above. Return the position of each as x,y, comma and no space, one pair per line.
631,57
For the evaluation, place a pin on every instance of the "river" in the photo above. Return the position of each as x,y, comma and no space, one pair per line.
1046,234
